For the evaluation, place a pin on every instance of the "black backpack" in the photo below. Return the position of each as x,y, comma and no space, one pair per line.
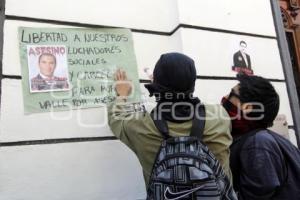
185,169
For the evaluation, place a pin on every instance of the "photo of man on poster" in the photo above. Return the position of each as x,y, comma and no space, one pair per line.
45,80
241,60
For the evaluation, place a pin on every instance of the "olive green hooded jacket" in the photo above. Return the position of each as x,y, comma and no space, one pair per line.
135,128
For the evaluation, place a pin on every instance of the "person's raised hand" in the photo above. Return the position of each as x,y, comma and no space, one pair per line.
123,85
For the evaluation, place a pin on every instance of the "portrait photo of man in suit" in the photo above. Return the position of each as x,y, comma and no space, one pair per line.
45,80
242,60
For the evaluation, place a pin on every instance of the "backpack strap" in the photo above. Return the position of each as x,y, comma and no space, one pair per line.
161,125
198,123
197,126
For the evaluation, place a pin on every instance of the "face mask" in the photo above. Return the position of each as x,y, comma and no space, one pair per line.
240,125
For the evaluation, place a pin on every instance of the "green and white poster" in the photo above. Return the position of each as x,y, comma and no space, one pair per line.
73,68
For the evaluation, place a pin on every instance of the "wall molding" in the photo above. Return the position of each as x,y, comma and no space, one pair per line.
11,77
68,140
56,141
224,78
86,25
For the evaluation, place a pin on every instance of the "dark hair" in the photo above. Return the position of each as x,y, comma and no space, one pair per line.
241,42
47,54
260,90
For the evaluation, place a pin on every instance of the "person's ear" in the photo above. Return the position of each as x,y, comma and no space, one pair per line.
247,107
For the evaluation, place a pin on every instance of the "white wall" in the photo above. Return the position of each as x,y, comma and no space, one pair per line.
108,170
68,124
148,49
149,15
213,53
292,136
250,16
74,171
158,15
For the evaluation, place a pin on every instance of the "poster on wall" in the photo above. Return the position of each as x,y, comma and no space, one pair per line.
241,58
42,65
73,68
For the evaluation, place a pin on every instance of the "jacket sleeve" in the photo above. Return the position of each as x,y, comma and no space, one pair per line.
261,174
121,116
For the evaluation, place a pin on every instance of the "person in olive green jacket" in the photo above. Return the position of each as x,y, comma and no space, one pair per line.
173,86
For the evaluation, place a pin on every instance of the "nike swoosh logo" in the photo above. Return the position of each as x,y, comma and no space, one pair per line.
169,195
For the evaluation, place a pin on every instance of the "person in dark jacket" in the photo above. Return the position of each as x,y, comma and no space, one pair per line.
265,166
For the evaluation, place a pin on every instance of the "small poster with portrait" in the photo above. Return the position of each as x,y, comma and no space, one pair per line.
47,67
242,59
